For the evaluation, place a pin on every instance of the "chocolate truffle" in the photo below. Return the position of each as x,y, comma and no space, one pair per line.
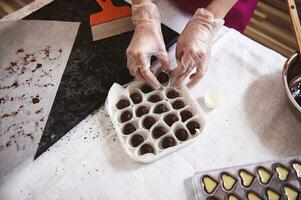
192,126
168,142
146,89
126,116
136,140
146,148
154,98
128,129
163,77
136,98
178,104
161,108
148,122
142,110
170,119
185,114
123,103
172,94
181,134
158,132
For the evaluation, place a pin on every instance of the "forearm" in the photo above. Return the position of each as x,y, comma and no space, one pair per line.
219,8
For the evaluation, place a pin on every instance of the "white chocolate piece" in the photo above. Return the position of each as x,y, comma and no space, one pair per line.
232,197
228,181
264,175
212,98
290,193
209,184
253,196
246,177
272,195
297,168
282,173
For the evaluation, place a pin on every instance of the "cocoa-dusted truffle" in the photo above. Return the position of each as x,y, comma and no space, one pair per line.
146,148
192,126
172,94
123,103
185,114
178,104
168,142
181,134
128,129
126,116
146,89
136,98
148,122
170,119
163,77
158,132
142,110
161,108
136,140
154,98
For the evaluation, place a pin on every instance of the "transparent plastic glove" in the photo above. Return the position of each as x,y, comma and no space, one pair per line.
194,47
147,41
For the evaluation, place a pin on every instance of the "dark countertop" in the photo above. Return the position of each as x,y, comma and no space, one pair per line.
91,70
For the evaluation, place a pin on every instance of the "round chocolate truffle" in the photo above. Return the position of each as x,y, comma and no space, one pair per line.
192,126
136,98
146,148
128,129
178,104
136,140
126,116
158,132
163,77
154,98
172,94
161,108
168,142
148,122
181,134
142,110
123,103
185,114
146,89
170,119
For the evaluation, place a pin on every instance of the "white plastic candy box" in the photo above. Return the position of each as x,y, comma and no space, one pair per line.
173,122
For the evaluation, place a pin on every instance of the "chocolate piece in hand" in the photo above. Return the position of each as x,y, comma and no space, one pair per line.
126,116
170,119
181,134
128,129
136,98
171,94
161,108
142,110
154,98
185,114
168,142
146,148
158,132
192,126
146,89
136,140
163,77
148,122
178,104
123,103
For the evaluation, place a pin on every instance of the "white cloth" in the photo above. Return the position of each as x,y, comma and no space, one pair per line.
253,124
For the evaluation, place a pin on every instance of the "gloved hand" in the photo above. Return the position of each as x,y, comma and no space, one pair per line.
146,42
194,46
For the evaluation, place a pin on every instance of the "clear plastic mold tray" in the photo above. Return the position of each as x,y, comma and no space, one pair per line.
273,180
118,92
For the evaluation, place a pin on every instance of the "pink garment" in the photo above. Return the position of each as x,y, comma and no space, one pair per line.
238,17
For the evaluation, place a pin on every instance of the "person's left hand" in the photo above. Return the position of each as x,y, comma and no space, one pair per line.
194,46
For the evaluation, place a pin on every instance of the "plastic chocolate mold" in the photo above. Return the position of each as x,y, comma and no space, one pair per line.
228,181
281,171
271,194
209,184
246,178
264,175
152,123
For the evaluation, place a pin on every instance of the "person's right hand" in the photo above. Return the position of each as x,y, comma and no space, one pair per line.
146,42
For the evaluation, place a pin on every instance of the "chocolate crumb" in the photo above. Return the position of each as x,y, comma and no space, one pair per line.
20,50
35,100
